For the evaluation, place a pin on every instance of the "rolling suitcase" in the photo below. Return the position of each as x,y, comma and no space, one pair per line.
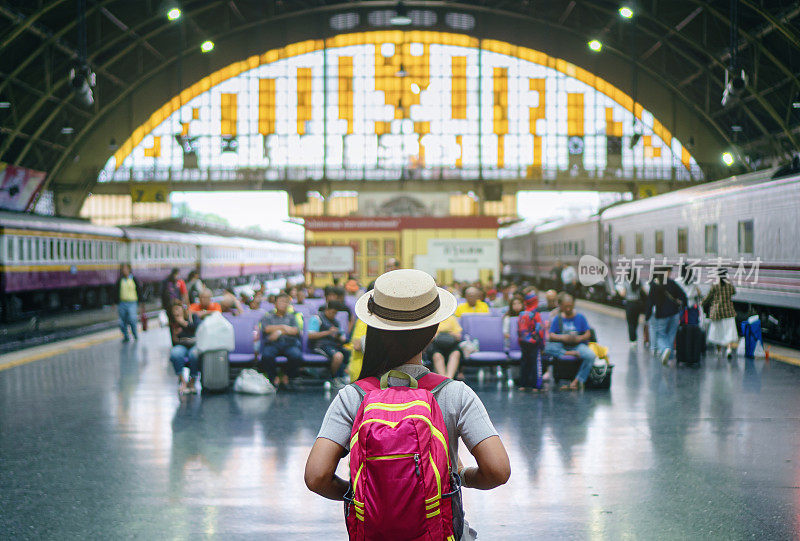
214,370
689,344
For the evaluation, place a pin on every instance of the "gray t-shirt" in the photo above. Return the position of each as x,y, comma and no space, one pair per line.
464,413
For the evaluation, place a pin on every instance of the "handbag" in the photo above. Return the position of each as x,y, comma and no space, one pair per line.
250,381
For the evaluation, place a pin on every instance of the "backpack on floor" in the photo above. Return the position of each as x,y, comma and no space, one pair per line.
401,487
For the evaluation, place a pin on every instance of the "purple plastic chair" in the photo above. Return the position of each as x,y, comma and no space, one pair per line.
488,330
310,357
243,326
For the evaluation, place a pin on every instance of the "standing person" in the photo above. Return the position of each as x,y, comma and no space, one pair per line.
722,331
688,282
402,315
569,331
172,289
184,351
631,291
668,299
280,335
558,283
129,295
530,333
195,286
569,277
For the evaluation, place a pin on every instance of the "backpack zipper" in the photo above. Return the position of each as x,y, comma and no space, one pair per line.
416,463
391,457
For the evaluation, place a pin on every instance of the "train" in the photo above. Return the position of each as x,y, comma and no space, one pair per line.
747,224
50,264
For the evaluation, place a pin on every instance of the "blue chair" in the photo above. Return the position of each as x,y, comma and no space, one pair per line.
243,353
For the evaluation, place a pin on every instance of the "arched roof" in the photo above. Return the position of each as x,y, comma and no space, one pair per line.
672,56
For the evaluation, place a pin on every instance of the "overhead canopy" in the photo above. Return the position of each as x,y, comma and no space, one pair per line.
671,56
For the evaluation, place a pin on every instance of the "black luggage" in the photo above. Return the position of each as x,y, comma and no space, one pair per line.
214,370
690,344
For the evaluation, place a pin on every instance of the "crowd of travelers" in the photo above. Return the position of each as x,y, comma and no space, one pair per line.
552,327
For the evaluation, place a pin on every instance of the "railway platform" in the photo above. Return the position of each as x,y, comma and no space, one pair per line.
97,444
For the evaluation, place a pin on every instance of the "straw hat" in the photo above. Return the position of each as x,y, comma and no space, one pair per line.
405,299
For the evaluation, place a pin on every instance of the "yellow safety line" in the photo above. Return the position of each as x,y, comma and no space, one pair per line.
37,356
783,358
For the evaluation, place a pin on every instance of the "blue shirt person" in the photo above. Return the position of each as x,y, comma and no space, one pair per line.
569,332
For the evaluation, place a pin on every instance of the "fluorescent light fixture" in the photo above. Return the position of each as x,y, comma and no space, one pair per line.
595,45
415,88
625,12
727,158
5,105
174,14
207,46
67,130
400,17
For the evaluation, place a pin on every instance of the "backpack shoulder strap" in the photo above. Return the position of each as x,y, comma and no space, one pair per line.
363,386
432,382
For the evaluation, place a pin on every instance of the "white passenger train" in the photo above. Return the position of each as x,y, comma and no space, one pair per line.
748,224
49,263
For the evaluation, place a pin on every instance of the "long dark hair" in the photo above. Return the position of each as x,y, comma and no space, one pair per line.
384,350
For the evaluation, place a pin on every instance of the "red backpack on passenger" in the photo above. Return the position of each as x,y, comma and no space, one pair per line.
401,487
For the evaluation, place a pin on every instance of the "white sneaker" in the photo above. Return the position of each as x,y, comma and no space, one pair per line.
665,356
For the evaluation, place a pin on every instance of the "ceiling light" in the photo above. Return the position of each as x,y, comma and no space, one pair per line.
400,18
736,128
727,158
207,46
415,88
67,130
174,14
625,12
595,45
5,105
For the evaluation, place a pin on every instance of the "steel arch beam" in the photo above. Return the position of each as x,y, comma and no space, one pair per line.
192,50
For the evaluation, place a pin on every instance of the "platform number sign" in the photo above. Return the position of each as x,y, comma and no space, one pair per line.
149,194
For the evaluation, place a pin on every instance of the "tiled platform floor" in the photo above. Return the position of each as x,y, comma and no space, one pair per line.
95,444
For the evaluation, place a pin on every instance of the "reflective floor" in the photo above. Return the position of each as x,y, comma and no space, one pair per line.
95,443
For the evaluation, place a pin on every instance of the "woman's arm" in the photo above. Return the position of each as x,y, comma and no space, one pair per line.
493,467
320,475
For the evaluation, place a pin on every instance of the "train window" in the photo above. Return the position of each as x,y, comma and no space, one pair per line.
711,239
638,241
620,245
746,237
683,240
9,249
659,238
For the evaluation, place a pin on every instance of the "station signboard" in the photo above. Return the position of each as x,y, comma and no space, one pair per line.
330,259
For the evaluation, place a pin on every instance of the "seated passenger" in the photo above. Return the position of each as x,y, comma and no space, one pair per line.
205,307
551,302
516,307
183,352
336,294
280,335
569,334
445,345
326,338
230,303
530,333
473,305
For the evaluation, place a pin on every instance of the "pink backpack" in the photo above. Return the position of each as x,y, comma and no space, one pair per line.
401,487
